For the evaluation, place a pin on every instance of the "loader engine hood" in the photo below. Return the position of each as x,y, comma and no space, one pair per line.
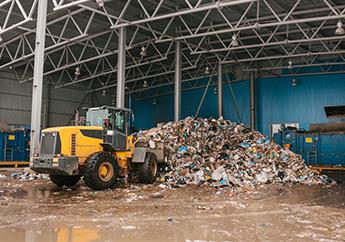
78,141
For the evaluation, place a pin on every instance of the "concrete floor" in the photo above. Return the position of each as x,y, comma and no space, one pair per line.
37,211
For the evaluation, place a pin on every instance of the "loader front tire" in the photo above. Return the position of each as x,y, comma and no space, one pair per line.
148,170
61,181
101,171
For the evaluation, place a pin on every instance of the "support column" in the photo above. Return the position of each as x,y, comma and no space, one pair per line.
178,75
46,107
220,90
37,86
252,100
121,66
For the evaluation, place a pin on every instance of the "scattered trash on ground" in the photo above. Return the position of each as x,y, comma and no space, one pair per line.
222,153
128,227
204,208
27,175
171,219
157,195
131,196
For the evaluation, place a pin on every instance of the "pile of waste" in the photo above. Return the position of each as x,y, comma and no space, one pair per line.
223,153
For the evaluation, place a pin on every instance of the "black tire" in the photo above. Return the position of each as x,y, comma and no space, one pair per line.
92,175
61,181
147,171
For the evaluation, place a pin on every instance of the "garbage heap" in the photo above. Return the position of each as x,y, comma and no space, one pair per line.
223,153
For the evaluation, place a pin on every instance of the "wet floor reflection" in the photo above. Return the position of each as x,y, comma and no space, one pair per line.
67,234
39,212
124,233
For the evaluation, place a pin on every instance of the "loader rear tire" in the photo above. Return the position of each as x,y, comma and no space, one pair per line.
148,170
101,171
61,181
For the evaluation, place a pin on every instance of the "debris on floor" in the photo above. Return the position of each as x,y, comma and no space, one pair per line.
157,195
27,175
131,196
223,153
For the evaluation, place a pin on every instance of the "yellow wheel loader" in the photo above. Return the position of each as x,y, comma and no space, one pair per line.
101,152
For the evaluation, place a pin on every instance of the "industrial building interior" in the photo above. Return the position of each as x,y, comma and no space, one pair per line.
185,120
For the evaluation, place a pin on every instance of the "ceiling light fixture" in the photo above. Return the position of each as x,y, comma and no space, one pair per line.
294,82
234,42
143,52
290,65
77,71
340,30
207,70
104,93
154,101
145,84
100,3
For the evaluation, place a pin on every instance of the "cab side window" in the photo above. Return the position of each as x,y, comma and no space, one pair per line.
120,121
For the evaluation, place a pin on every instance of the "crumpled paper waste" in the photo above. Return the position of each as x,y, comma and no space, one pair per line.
224,153
28,175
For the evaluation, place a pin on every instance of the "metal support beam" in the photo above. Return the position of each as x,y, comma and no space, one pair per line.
220,90
252,100
178,76
46,107
121,69
37,86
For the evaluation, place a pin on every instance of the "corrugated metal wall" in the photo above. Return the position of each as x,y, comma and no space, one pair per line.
147,114
278,101
15,102
62,103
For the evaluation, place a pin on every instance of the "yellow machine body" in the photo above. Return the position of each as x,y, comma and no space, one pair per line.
101,152
83,141
75,143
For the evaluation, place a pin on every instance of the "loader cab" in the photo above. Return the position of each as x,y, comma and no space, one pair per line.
115,123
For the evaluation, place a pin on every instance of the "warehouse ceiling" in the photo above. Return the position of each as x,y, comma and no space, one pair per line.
244,35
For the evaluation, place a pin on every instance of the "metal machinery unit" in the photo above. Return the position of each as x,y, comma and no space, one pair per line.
2,145
101,152
15,145
323,146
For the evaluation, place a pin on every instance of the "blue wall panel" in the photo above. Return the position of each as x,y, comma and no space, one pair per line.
148,115
278,101
241,92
